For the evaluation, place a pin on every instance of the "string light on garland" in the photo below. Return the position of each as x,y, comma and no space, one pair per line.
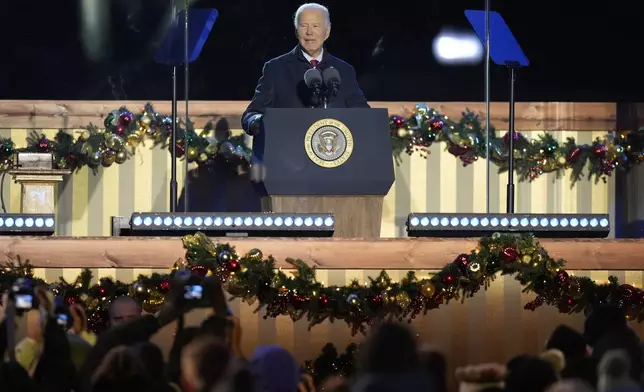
465,138
254,279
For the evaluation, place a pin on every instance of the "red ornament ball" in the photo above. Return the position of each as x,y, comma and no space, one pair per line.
449,279
561,277
44,145
234,265
462,261
119,130
509,254
71,299
436,124
164,287
628,292
324,299
126,118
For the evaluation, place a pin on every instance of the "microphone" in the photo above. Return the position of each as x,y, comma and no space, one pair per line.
313,79
332,80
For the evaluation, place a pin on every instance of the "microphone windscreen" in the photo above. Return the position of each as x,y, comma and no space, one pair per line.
331,76
312,78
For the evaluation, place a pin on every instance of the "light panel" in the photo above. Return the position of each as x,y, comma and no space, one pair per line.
31,224
476,225
233,224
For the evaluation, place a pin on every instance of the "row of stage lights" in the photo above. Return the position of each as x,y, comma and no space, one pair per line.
323,225
544,225
418,225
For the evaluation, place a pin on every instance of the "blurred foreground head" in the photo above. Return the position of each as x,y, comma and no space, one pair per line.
121,370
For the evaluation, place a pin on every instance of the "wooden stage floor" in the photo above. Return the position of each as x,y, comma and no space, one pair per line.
324,253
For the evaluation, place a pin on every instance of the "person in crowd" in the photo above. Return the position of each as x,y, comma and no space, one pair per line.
122,310
389,361
606,329
275,369
203,363
527,373
578,363
121,370
435,364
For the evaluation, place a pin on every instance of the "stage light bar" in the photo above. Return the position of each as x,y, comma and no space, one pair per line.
31,224
476,225
234,224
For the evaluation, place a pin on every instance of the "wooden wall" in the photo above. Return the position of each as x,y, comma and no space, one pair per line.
436,184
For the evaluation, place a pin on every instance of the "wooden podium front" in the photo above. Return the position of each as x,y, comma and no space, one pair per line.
355,216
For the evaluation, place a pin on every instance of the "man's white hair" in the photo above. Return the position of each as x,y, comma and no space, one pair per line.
312,6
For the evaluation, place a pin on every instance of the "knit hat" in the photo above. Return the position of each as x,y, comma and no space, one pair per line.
613,372
275,369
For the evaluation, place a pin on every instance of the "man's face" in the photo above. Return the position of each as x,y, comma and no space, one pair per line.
122,312
312,31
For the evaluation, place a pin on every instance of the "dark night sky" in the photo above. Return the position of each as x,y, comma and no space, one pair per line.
579,50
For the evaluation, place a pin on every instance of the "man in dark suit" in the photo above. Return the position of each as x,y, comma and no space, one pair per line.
282,82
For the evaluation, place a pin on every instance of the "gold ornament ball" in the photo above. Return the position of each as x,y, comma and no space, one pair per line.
115,142
108,159
403,300
145,121
212,149
255,255
83,297
192,154
83,136
91,303
202,157
154,302
428,290
402,132
121,157
526,259
133,139
388,297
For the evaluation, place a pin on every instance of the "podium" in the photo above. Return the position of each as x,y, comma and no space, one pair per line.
38,179
327,161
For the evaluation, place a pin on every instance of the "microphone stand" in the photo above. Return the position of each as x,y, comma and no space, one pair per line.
512,66
173,135
186,81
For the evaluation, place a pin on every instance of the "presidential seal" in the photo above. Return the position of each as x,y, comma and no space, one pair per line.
328,143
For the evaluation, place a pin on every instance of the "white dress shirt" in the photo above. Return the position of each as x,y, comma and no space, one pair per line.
309,58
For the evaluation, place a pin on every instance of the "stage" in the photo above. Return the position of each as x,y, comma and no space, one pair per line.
492,325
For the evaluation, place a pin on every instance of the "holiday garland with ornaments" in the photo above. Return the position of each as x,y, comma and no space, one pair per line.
465,138
253,278
123,131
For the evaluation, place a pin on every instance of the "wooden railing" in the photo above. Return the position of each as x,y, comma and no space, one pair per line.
529,115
